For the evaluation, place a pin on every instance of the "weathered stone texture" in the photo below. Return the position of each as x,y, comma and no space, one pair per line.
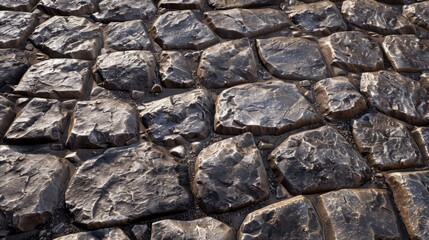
181,4
421,136
224,4
124,10
417,13
15,28
129,35
101,234
18,5
7,114
68,7
13,64
175,70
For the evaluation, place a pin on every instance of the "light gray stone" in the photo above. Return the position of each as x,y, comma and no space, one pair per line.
175,70
129,35
15,28
68,7
125,10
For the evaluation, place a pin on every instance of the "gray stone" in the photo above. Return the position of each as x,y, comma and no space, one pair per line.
424,80
386,141
228,64
139,231
397,96
417,13
307,162
224,4
359,214
127,184
7,114
187,115
124,10
18,5
182,30
156,88
13,64
230,175
421,136
126,71
239,23
68,7
203,229
101,234
294,218
292,58
352,51
130,35
178,151
103,123
15,28
57,78
175,70
411,195
181,4
267,108
71,37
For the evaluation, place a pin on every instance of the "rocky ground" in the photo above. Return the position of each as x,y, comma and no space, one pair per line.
214,119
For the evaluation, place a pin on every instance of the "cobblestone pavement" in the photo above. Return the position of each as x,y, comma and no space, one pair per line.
214,119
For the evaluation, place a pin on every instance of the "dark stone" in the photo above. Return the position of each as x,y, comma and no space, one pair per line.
15,28
421,136
101,234
130,35
7,114
68,7
18,5
417,13
175,70
181,4
225,4
13,64
127,184
124,10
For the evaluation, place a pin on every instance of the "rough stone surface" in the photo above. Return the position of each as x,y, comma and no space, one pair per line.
32,186
397,96
7,114
268,108
57,78
71,37
292,58
103,123
421,136
130,35
15,28
230,175
359,213
127,184
126,71
417,13
181,4
238,22
124,10
352,51
228,64
175,71
68,7
185,116
387,142
13,64
18,5
406,53
411,195
294,218
224,4
306,162
101,234
203,228
337,98
182,30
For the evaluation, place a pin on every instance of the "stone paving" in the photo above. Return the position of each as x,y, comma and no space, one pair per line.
214,119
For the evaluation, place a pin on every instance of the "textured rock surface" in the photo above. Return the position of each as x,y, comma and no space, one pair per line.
202,228
130,35
175,71
185,116
7,114
397,96
268,108
182,30
68,7
181,5
57,78
18,5
228,64
352,51
387,142
224,4
15,28
13,64
72,37
417,13
126,184
292,58
359,213
411,194
101,234
294,218
337,98
230,175
103,123
124,10
421,136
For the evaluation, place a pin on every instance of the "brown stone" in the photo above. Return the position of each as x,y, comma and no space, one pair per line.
225,4
421,136
7,114
417,13
101,234
181,5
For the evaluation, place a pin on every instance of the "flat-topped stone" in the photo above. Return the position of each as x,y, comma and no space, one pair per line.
18,5
13,64
100,234
15,28
124,10
421,136
68,7
417,13
7,114
225,4
175,70
129,35
181,5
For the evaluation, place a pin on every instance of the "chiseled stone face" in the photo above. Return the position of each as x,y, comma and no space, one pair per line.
7,114
100,234
421,136
13,64
15,28
417,13
68,7
175,70
18,5
181,4
129,35
124,10
224,4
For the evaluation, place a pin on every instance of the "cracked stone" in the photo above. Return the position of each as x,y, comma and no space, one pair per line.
130,35
101,234
386,141
7,114
124,10
307,163
181,4
292,58
13,64
175,70
154,183
18,5
230,175
139,231
417,13
228,64
15,28
225,4
68,7
267,108
421,136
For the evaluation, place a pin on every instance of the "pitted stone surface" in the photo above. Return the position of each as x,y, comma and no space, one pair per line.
202,228
15,28
294,218
239,23
359,213
103,123
337,98
228,64
306,162
7,114
57,78
397,96
417,13
18,5
124,10
224,4
292,58
421,136
127,184
411,195
386,141
406,53
182,30
130,35
70,36
352,51
126,71
13,64
181,4
68,7
32,186
320,18
267,108
229,175
175,70
101,234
